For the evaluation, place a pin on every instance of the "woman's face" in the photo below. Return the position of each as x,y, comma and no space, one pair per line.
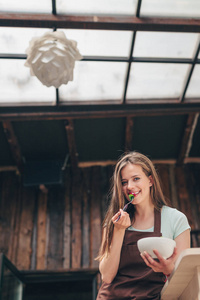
135,181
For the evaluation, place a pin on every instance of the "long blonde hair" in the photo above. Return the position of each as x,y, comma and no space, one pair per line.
117,197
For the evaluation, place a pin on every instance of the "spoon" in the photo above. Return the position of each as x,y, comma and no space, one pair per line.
131,197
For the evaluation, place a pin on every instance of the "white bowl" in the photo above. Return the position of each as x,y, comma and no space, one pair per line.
164,246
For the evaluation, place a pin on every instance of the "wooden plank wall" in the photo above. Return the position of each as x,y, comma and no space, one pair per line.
60,229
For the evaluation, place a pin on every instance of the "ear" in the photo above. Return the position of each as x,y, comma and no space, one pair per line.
150,180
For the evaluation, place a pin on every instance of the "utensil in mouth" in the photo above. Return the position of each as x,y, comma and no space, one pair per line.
131,197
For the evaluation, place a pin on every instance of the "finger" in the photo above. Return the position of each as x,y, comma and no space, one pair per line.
162,259
119,215
122,214
116,216
151,263
144,258
149,260
173,257
174,253
159,256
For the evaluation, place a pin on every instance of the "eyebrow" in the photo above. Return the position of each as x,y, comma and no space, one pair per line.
131,177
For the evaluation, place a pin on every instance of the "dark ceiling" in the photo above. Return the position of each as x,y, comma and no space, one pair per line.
83,135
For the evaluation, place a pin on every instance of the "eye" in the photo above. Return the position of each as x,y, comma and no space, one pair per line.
124,183
136,178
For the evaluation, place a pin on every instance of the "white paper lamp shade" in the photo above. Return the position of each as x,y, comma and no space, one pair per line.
51,58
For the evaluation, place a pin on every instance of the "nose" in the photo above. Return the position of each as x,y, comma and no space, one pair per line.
130,185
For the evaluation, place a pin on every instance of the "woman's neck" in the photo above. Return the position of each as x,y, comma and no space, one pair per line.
144,217
144,209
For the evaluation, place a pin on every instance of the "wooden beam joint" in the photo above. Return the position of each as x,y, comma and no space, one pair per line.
69,127
14,145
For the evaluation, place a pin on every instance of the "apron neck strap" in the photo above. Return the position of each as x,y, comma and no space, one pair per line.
157,221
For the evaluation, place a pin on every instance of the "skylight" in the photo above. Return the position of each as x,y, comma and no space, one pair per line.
118,65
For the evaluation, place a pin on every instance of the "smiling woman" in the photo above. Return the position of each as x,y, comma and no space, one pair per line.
135,181
125,273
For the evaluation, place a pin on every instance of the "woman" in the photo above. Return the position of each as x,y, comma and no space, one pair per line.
127,274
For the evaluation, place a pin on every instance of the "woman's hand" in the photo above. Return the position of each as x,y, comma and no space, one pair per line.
166,266
124,220
162,265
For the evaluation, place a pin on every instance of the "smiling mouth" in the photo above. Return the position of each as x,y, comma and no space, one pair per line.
134,194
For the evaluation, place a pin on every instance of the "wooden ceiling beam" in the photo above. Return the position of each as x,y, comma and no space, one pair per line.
69,127
103,163
186,143
99,22
192,160
14,145
9,169
95,111
129,133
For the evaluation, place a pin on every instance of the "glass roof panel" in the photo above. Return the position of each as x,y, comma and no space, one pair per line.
101,42
18,86
16,40
165,44
155,80
24,6
193,90
97,7
95,81
170,8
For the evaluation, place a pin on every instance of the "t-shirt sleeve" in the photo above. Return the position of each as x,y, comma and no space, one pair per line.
180,223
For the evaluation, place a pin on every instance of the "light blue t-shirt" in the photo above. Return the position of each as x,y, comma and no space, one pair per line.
173,223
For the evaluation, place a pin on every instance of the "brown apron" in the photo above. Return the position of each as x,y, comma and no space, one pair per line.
134,280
